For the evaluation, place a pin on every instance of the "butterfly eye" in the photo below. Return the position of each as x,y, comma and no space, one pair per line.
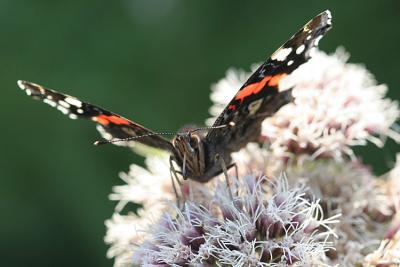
193,142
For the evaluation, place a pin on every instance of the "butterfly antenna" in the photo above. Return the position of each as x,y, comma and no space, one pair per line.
103,142
231,124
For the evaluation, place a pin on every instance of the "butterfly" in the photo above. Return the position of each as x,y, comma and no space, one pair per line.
203,153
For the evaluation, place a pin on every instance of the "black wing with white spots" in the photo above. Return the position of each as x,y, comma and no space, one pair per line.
110,125
259,96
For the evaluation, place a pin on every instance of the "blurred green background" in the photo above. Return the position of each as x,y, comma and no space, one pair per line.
152,61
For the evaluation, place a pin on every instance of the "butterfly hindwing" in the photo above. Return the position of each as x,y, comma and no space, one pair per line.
110,125
259,96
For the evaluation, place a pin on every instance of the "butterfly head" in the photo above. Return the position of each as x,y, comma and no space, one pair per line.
189,140
189,152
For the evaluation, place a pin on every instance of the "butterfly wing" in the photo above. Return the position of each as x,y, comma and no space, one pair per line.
259,96
110,125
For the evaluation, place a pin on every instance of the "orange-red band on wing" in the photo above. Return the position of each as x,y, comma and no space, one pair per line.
251,89
255,88
107,119
276,79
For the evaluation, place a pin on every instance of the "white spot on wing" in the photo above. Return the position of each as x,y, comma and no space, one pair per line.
328,13
73,101
62,109
21,84
103,133
308,37
49,97
72,116
300,49
79,110
290,62
281,54
28,92
64,104
306,29
329,20
49,102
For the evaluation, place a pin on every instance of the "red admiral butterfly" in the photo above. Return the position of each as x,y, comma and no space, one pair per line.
200,155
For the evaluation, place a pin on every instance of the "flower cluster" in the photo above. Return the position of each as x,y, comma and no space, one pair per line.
328,209
265,224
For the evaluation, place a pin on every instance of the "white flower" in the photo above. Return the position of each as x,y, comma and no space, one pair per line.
151,187
122,234
266,224
346,188
393,184
337,105
145,186
388,253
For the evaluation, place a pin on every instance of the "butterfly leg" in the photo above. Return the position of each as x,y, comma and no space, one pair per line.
174,178
225,170
187,187
184,167
234,165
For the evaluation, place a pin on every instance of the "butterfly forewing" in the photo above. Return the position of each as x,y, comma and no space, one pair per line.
110,125
259,96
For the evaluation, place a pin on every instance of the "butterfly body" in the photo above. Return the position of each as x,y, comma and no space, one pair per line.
200,154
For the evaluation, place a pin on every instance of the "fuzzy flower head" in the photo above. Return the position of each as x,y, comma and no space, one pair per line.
265,224
337,105
348,188
140,184
150,187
